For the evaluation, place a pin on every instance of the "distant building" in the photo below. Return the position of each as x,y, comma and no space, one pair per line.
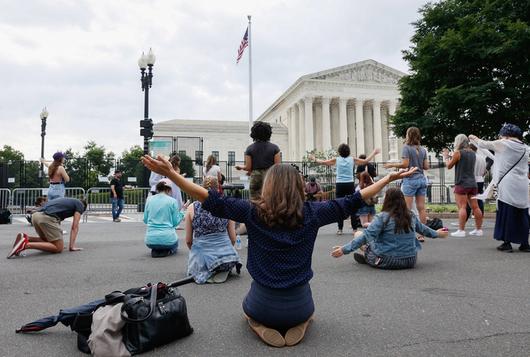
349,104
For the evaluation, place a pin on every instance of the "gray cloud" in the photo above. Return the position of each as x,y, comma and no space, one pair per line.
79,59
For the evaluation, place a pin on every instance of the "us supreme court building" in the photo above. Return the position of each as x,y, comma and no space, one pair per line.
348,104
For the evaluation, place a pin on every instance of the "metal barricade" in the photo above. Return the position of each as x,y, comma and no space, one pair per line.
23,199
5,198
99,200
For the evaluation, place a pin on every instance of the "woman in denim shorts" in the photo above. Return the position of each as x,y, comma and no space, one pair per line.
414,186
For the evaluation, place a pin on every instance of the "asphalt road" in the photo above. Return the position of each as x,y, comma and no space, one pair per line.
464,298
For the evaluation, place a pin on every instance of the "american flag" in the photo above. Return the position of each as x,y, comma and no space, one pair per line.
242,46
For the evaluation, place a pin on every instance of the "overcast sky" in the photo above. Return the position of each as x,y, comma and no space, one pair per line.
79,58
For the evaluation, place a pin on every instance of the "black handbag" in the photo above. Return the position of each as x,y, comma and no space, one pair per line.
154,319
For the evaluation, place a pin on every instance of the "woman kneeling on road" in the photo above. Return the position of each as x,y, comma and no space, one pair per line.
162,216
390,240
282,229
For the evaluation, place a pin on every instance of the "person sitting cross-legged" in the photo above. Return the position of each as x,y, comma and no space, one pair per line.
390,240
47,222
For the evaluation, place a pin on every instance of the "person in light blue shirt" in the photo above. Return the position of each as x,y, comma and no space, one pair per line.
162,216
390,240
345,183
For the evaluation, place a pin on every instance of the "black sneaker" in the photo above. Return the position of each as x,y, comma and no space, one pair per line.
359,258
524,248
505,247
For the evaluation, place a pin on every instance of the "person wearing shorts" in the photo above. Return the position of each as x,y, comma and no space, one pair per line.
463,160
47,223
414,187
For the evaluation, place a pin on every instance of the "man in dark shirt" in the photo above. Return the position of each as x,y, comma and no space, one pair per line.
47,223
116,196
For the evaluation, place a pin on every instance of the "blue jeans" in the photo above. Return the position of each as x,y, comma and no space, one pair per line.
117,207
414,186
56,190
163,249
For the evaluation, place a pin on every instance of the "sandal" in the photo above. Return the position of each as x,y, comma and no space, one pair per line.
296,334
268,335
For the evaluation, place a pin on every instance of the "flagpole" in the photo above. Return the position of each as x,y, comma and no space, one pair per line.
250,115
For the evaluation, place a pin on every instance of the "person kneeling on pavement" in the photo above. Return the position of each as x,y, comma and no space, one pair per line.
162,216
390,240
47,223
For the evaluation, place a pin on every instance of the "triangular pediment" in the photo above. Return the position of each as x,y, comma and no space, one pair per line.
365,71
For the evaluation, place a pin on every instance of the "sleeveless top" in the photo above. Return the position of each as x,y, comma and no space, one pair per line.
465,170
204,223
344,169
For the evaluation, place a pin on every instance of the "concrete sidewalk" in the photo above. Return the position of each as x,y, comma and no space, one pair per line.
464,298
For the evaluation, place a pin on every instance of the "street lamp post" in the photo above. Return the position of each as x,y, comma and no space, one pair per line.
43,117
146,63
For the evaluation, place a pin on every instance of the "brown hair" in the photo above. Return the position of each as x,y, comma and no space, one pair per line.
396,207
210,162
162,187
54,166
365,179
413,136
281,202
344,150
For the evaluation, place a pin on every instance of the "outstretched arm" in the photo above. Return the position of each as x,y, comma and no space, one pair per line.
329,162
163,167
372,190
368,159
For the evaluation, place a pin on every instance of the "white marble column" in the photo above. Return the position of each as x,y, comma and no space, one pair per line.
359,125
308,122
378,127
301,129
393,145
343,120
290,133
326,124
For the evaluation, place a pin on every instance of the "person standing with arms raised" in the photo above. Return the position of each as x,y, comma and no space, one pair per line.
345,183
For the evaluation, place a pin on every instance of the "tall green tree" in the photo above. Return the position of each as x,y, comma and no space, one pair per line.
99,161
131,165
470,70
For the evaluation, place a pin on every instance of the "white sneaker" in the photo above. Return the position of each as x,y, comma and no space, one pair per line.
476,232
339,232
459,234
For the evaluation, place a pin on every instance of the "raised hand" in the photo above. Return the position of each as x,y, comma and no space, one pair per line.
337,251
398,175
377,151
160,165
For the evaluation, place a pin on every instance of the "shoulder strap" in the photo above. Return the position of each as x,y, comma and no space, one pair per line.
506,173
152,306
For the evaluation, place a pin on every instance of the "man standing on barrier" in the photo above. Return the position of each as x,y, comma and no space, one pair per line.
47,223
116,196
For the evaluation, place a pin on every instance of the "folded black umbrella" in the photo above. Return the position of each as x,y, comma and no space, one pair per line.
68,316
65,316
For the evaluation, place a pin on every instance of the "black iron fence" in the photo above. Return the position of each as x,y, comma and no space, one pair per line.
85,174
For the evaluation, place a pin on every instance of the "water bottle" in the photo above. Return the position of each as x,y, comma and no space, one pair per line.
238,242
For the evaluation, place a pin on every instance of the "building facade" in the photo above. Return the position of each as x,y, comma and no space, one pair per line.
348,104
